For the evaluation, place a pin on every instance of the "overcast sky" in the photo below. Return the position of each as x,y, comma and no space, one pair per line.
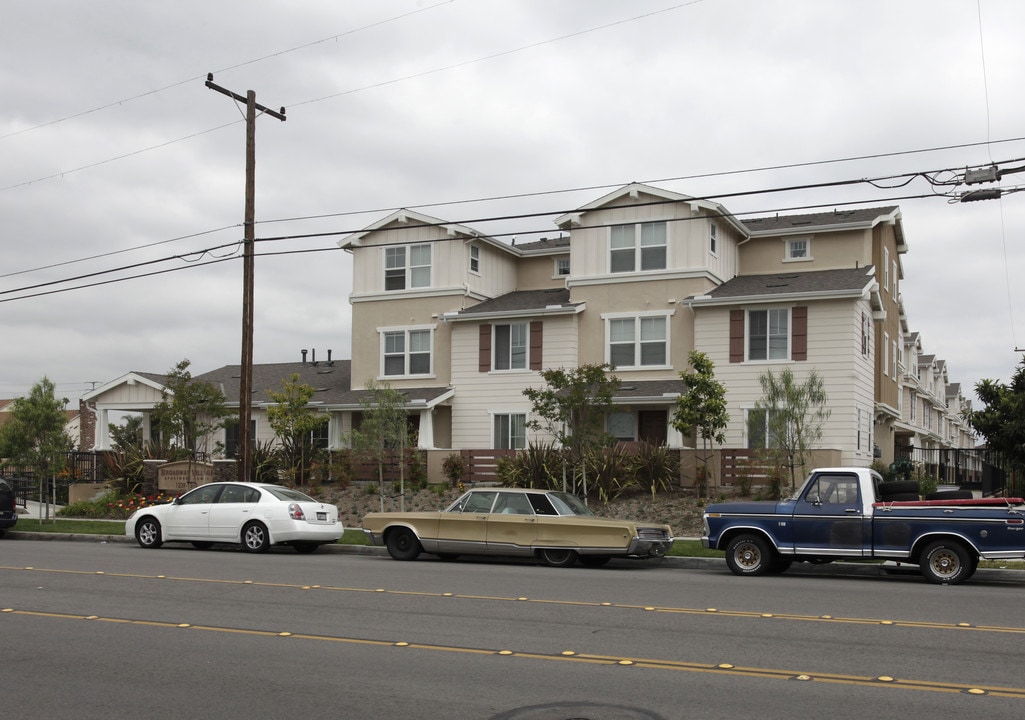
114,155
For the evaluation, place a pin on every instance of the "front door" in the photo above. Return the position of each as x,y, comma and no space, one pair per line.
829,518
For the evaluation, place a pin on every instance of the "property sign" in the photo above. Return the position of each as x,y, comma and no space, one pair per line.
177,477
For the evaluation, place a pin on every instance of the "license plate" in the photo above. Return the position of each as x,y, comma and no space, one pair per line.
322,516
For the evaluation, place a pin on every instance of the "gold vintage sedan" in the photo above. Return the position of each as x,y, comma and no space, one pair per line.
556,527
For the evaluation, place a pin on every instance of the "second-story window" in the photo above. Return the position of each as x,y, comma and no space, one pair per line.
562,266
510,347
475,258
713,239
407,352
768,334
637,247
407,266
798,249
635,342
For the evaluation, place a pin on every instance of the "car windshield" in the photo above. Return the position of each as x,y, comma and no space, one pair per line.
283,493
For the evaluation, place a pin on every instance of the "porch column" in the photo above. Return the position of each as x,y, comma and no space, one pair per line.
426,430
102,430
674,438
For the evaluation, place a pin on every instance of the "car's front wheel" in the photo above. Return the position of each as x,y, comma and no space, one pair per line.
749,554
403,544
147,533
255,538
559,557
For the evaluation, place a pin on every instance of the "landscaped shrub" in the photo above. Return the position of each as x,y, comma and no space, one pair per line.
112,505
539,466
656,468
610,472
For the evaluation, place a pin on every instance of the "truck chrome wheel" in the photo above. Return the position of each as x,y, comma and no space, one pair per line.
749,554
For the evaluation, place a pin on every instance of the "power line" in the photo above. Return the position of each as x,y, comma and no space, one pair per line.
522,48
123,101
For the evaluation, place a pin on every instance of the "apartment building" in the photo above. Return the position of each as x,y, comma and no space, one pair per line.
463,323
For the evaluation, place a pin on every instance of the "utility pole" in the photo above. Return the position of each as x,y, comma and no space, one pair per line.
245,392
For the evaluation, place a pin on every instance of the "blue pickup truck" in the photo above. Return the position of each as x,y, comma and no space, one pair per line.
844,513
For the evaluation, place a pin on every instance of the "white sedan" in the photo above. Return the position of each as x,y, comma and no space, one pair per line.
256,515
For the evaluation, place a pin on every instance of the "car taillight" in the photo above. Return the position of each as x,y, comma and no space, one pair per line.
295,512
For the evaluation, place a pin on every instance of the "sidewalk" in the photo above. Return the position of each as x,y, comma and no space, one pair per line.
35,511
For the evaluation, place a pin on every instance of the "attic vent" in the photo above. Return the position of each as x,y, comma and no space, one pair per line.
801,222
325,371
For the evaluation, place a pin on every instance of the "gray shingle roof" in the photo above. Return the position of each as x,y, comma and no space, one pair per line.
522,301
331,380
797,283
798,223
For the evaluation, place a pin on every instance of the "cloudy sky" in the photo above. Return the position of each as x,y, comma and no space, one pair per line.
122,175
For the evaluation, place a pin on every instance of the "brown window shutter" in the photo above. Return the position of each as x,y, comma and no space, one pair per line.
736,336
799,336
536,343
484,349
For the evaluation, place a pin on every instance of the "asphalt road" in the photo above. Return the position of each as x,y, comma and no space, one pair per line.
102,630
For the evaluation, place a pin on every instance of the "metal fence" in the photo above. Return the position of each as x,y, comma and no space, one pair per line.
969,469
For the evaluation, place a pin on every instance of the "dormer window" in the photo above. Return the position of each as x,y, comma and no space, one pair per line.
407,266
798,249
638,247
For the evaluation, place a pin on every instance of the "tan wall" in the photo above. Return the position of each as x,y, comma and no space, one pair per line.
538,273
647,296
829,251
368,317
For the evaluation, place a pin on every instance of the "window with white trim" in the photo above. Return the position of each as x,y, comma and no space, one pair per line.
406,352
510,431
798,249
713,238
768,334
475,258
635,342
509,349
886,354
886,269
562,266
407,266
637,247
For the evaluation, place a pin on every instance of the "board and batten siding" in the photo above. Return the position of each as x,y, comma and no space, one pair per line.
834,352
480,395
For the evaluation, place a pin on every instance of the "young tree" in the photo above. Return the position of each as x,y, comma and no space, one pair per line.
189,410
794,415
382,430
293,422
34,437
1002,420
572,407
702,407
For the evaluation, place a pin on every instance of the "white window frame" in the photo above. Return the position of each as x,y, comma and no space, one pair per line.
509,432
517,358
886,355
713,238
792,244
408,334
475,259
409,267
562,267
638,341
634,242
771,314
886,269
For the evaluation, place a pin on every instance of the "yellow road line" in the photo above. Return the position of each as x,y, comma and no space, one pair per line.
575,657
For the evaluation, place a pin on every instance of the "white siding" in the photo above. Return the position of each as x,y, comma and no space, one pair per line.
480,395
